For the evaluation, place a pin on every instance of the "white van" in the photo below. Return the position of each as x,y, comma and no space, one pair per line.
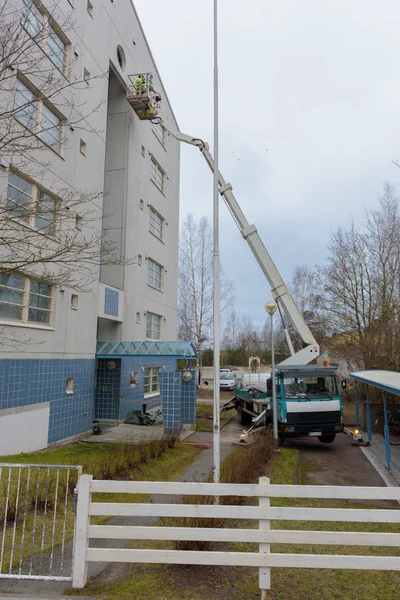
256,381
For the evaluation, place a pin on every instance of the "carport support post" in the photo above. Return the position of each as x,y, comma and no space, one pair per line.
356,403
386,429
369,430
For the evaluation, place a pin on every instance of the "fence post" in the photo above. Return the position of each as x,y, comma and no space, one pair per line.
79,563
264,576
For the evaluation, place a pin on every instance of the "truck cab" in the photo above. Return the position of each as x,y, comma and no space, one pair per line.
308,402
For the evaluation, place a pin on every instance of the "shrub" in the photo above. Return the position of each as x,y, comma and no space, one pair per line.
243,465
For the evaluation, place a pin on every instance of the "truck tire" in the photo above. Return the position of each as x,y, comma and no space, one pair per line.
281,440
243,417
327,439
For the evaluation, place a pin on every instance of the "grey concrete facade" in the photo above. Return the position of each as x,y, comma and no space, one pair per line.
106,153
114,164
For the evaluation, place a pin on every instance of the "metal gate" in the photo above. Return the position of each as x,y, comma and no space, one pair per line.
37,521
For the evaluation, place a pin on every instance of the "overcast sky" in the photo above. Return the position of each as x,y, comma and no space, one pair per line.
309,118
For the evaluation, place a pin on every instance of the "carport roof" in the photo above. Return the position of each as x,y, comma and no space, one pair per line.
147,348
389,381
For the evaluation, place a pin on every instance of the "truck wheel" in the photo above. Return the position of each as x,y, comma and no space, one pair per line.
243,418
327,439
281,440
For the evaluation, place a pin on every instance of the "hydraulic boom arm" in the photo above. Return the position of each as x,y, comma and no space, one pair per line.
279,289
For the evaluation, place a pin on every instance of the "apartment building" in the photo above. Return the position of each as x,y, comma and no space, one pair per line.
91,169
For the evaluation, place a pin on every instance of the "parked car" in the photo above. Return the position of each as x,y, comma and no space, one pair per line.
224,370
227,380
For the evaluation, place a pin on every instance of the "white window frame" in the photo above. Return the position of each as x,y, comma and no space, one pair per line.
39,112
35,201
152,381
154,269
157,175
153,326
48,36
26,293
156,224
159,132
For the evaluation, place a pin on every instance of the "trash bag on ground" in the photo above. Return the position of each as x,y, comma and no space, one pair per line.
137,417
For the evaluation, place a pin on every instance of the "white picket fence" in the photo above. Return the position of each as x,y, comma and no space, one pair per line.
264,559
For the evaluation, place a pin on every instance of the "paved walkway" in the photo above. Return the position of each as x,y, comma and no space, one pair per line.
376,454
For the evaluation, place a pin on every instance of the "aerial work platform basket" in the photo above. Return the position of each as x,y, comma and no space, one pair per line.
141,95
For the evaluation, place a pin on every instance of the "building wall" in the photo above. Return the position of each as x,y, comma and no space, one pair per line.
115,137
115,398
179,401
37,381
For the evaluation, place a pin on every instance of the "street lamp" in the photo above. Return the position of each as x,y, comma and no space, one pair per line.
271,307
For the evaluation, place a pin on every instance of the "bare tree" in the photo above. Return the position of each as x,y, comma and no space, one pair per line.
195,304
305,291
361,287
49,231
231,331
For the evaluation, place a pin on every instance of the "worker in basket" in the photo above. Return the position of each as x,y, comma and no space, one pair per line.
140,84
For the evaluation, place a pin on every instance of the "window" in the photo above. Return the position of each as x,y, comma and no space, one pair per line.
141,204
138,317
121,57
74,301
55,49
159,132
156,224
140,260
86,76
50,130
42,27
78,222
143,151
155,274
37,116
151,380
32,19
31,205
153,326
82,147
24,299
157,175
314,385
90,8
70,386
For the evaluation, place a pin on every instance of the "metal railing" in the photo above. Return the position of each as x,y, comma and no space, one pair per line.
264,513
37,520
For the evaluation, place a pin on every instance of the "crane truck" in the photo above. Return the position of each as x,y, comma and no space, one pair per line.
308,397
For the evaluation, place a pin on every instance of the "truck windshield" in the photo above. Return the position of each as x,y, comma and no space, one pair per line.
310,387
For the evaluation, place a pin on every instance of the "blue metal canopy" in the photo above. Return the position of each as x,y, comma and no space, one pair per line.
389,382
147,348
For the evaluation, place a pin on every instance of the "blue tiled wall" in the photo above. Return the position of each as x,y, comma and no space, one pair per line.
178,400
115,398
24,382
111,302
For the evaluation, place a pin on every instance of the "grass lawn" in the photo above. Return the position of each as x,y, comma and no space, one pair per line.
174,582
204,413
93,457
